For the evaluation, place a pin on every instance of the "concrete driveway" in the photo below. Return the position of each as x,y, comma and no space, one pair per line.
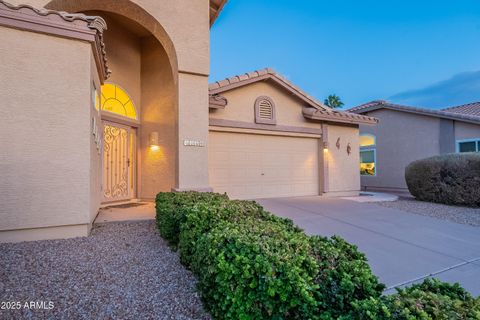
401,247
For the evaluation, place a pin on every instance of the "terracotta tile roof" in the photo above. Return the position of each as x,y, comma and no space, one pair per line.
216,7
317,110
445,113
51,18
472,109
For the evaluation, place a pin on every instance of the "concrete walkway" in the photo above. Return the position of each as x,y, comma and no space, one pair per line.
401,247
372,197
135,211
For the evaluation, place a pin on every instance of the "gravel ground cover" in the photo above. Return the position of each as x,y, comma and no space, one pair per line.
464,215
121,271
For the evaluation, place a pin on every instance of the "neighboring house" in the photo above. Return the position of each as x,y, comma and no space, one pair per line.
405,134
74,138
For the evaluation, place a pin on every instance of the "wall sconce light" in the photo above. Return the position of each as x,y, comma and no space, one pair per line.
153,140
325,145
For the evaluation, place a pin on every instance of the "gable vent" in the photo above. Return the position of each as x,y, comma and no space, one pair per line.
265,110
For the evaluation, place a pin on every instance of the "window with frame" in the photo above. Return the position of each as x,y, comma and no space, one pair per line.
469,145
368,155
116,100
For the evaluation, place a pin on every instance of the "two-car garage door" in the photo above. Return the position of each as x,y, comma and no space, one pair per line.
249,166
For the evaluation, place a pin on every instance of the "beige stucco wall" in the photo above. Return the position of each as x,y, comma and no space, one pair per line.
159,110
45,135
466,131
124,58
342,176
192,162
185,22
401,138
241,105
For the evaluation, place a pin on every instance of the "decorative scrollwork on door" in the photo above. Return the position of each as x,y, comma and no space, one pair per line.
115,163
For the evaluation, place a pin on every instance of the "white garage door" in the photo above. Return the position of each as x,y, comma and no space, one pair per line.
248,166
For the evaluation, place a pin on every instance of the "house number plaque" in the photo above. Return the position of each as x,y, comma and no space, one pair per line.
193,143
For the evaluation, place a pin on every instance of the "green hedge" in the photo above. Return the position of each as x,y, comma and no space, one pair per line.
172,206
253,270
429,300
202,217
450,179
251,264
344,276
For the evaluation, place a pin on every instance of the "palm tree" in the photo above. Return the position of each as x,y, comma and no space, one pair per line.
333,101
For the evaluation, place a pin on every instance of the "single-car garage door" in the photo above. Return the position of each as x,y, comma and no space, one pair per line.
249,166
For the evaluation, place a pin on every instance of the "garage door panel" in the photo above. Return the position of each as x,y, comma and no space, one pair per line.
220,159
249,166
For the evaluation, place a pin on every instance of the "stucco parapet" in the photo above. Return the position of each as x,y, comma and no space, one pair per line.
59,23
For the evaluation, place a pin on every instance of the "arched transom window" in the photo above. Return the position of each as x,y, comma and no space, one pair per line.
116,100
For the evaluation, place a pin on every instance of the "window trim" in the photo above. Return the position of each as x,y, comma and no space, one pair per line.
372,147
369,148
477,144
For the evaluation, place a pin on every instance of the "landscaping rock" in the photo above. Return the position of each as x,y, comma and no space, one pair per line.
121,271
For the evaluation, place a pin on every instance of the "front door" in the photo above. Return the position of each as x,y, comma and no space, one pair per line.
118,162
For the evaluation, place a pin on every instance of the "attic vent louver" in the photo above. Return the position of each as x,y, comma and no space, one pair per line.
265,110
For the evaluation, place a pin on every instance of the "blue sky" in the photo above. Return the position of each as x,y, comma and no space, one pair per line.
422,52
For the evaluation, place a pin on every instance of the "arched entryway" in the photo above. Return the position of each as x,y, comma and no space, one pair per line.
144,68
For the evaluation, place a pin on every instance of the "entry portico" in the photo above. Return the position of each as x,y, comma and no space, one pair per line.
72,147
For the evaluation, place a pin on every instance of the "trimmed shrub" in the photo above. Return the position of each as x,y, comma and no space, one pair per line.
429,300
344,276
171,208
255,270
449,179
253,265
202,217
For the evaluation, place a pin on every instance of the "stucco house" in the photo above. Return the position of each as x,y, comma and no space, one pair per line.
405,134
108,102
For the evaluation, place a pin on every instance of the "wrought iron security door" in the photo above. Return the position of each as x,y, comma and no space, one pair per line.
118,164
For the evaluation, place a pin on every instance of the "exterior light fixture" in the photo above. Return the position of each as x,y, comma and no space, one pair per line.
153,140
325,145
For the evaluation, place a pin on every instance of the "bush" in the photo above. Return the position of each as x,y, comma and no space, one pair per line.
449,179
202,217
253,270
429,300
344,276
253,265
171,208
